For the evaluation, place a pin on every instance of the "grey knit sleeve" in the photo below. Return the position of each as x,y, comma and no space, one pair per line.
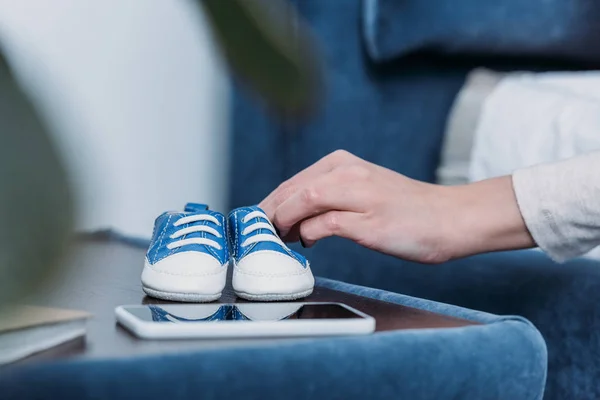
560,203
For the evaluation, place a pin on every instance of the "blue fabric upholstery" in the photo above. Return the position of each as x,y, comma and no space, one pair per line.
396,119
393,114
560,299
549,28
503,359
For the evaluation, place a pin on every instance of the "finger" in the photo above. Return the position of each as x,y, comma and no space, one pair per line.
292,185
289,187
334,191
332,223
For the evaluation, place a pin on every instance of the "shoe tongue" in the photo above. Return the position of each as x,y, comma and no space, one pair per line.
195,207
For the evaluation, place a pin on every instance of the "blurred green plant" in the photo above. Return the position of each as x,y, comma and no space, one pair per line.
263,41
36,209
268,46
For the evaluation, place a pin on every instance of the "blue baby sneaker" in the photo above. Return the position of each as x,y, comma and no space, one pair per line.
264,268
188,256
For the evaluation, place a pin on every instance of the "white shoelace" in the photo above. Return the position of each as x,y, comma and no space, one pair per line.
261,237
193,229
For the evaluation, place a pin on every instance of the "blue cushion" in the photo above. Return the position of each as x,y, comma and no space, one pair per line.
505,358
566,29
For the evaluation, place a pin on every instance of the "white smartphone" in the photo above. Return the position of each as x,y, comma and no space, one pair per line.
198,321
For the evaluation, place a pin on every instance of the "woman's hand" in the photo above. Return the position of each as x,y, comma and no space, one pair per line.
346,196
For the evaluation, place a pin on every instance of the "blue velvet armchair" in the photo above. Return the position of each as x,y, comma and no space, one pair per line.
393,69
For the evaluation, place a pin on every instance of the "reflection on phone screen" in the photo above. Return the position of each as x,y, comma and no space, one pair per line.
224,313
187,313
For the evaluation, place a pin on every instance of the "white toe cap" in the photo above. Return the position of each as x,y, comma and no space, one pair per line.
186,272
270,272
270,263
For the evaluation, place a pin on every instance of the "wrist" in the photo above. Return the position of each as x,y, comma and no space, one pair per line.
486,218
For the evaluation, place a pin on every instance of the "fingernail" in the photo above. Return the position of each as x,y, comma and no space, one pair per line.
302,242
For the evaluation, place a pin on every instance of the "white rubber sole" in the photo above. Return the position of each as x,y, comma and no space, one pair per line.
273,296
182,297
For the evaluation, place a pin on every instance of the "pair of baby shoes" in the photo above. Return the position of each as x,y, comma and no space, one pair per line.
190,252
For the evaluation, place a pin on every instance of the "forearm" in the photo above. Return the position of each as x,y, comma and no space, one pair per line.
554,206
487,218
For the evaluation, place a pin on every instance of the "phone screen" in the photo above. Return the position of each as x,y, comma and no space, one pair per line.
188,313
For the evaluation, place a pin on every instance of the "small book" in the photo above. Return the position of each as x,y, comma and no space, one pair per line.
25,330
